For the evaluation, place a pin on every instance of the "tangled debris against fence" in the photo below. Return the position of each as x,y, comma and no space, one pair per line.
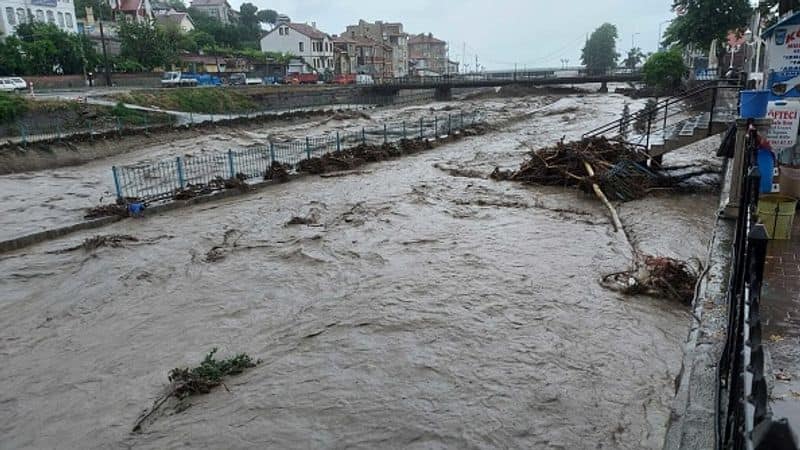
659,277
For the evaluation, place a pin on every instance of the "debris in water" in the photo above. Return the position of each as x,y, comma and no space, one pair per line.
106,211
95,242
278,172
185,382
659,277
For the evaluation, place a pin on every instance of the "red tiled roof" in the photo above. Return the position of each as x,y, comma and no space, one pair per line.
307,30
129,5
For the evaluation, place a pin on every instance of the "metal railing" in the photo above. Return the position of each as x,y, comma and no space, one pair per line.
742,417
162,180
484,78
655,119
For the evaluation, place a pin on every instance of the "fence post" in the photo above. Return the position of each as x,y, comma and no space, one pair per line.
404,131
119,127
462,119
363,136
58,130
116,182
146,124
230,163
385,135
421,130
713,107
181,178
271,153
338,142
435,127
308,147
449,124
91,129
22,133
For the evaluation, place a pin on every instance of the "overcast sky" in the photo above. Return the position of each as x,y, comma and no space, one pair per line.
533,33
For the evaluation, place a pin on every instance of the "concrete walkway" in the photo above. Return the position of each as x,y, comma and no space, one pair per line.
781,314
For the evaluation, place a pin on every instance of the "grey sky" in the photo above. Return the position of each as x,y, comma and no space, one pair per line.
533,33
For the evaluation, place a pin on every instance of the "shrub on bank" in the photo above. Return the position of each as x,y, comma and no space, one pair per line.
196,100
11,107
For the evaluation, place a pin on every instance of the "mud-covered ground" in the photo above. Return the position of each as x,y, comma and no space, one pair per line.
424,309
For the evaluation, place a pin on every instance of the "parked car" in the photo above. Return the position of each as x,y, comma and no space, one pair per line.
6,85
241,79
302,78
345,79
178,79
20,84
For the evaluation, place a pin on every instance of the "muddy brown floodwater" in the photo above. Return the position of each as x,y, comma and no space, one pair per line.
424,310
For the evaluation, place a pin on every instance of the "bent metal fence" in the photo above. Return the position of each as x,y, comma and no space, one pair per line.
743,419
161,180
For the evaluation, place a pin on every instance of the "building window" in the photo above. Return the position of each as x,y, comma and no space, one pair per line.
61,20
39,15
12,19
301,47
286,31
68,18
21,17
280,31
51,18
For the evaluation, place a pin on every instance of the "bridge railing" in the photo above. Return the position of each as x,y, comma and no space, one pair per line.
511,76
743,420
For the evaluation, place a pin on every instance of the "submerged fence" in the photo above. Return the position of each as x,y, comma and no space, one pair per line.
743,420
162,180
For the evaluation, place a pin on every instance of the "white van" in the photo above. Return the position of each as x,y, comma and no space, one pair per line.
364,79
20,84
6,85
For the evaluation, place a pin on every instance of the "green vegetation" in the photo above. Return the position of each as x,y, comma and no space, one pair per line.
664,70
702,21
195,100
634,58
11,107
186,382
146,44
43,49
600,52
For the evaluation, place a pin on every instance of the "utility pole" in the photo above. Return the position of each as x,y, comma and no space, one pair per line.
105,54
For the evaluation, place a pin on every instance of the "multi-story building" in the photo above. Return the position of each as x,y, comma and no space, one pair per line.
312,46
361,55
388,33
61,13
217,9
173,18
427,55
135,10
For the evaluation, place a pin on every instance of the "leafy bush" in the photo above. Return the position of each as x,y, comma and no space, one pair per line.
11,107
664,70
196,100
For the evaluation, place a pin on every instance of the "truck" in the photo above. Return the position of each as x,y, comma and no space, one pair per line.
345,79
241,79
302,78
181,79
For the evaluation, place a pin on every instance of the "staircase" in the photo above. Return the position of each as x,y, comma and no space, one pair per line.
678,121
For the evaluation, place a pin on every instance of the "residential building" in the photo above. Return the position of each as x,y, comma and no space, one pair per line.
361,55
58,12
427,55
135,10
388,33
313,47
217,9
181,20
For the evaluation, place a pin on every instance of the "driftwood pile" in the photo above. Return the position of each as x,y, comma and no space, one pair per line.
659,277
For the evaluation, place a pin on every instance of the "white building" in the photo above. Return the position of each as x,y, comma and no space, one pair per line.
304,41
217,9
58,12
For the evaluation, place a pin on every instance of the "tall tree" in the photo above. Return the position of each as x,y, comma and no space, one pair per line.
146,44
634,58
100,9
600,53
45,49
247,17
268,16
664,70
702,21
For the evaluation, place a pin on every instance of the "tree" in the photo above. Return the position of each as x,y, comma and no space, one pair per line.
268,16
702,21
100,9
248,19
45,49
146,44
600,53
635,56
664,70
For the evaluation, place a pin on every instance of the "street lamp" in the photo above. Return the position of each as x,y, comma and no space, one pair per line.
660,34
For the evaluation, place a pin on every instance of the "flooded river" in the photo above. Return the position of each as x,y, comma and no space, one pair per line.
425,310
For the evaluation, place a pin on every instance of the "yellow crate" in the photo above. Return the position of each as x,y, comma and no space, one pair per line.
776,212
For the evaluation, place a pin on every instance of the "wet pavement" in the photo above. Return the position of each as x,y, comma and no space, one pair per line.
423,310
781,315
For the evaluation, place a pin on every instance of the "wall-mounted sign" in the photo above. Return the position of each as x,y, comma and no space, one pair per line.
785,117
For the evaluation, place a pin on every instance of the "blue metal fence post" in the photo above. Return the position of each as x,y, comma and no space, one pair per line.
116,182
23,133
449,124
119,126
308,147
405,137
435,127
271,153
421,130
231,166
385,134
462,119
338,142
181,177
363,136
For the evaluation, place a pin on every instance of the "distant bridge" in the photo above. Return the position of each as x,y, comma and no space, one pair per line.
445,83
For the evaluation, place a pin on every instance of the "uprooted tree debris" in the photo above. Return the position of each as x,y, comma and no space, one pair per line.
612,170
615,171
108,240
658,277
185,382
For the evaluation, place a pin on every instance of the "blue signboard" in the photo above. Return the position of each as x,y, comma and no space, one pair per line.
48,3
